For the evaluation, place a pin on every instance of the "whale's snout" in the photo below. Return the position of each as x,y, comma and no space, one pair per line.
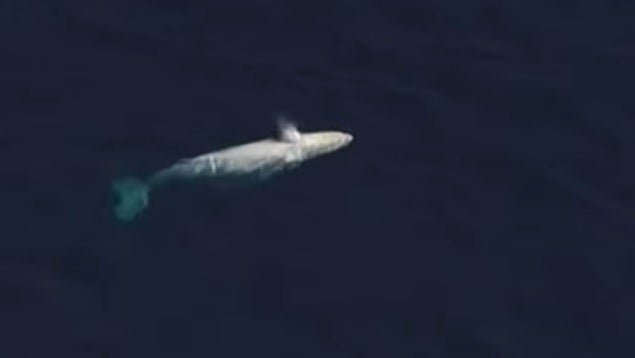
347,138
340,140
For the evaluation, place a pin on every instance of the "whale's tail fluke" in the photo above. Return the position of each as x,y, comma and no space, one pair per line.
132,197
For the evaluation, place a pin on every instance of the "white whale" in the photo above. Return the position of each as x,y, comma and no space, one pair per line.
246,163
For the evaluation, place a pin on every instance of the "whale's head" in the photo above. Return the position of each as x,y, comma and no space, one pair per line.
315,144
305,146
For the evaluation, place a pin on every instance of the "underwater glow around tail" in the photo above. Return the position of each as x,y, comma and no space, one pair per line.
132,197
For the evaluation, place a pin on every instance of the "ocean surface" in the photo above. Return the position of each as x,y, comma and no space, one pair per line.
485,209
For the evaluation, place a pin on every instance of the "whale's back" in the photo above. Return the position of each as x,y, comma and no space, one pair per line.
256,158
242,163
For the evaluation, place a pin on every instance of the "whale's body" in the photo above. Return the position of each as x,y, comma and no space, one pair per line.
256,160
246,163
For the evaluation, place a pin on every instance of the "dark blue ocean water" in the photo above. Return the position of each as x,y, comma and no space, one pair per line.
485,209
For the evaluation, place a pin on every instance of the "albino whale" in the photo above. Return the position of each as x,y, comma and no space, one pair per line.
246,163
